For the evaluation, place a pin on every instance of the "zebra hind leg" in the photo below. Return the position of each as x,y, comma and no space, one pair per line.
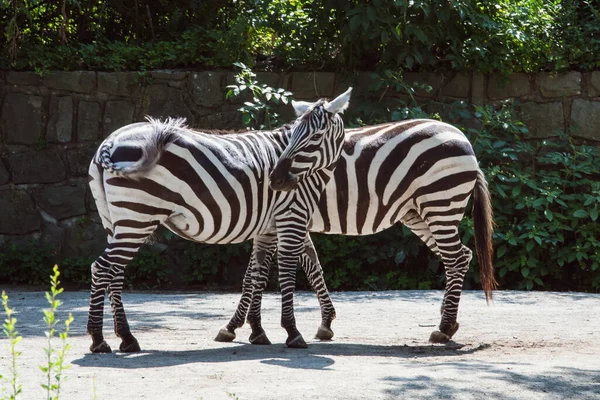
109,272
312,268
456,265
96,311
444,242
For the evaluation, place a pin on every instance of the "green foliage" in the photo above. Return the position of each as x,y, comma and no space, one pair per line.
11,333
28,264
147,270
55,364
546,200
485,35
259,112
210,264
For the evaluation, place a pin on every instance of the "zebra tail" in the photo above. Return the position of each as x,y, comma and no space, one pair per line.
484,228
137,151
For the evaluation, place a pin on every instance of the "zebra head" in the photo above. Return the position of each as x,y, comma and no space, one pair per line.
316,141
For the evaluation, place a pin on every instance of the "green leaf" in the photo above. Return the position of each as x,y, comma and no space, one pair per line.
400,257
246,119
580,214
525,272
529,285
548,214
516,191
529,246
538,281
594,214
539,202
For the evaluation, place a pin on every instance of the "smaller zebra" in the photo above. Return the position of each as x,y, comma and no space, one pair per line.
212,189
420,173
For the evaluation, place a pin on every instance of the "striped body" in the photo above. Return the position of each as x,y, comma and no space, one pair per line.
421,173
205,188
387,171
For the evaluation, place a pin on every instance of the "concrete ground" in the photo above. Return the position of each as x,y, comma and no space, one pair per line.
523,346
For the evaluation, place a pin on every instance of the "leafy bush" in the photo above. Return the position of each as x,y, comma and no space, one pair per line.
484,35
546,201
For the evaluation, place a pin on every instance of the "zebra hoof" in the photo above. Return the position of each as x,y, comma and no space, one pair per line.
439,337
101,347
225,336
260,339
324,333
296,343
130,346
450,330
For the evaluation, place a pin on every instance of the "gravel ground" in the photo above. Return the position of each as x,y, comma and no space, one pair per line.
523,346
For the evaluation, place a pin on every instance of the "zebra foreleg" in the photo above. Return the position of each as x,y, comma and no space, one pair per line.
227,333
290,248
312,268
265,249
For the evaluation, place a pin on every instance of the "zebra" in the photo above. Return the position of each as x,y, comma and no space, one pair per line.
420,173
213,189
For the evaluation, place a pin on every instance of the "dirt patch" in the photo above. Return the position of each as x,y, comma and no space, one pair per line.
523,346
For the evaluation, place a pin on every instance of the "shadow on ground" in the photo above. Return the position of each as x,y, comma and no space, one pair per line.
315,357
556,382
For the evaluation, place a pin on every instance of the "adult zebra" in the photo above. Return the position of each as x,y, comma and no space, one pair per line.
417,172
210,189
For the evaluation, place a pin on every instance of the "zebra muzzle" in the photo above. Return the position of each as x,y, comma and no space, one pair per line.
281,178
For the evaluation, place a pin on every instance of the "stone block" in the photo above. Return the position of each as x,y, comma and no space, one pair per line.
424,78
21,118
116,115
312,85
458,86
79,160
85,239
60,120
163,101
273,79
89,117
559,85
477,88
38,166
221,120
543,119
515,85
53,237
585,119
75,81
62,201
206,89
4,175
594,87
117,83
168,75
25,78
19,215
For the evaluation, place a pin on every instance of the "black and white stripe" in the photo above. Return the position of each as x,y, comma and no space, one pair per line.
421,173
211,189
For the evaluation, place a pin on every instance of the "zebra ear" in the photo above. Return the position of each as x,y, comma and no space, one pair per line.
300,107
340,103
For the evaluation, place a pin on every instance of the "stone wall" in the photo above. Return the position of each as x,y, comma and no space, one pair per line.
50,127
